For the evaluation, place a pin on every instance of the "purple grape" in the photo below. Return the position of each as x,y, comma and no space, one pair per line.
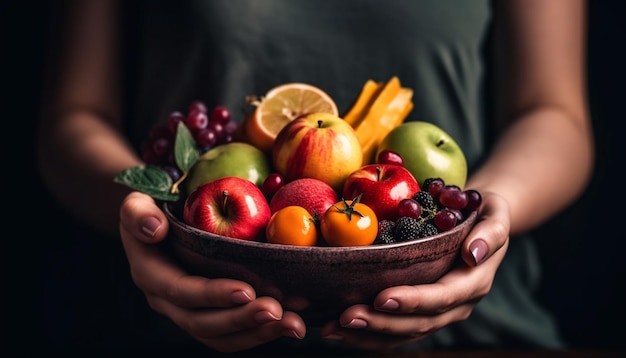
445,220
220,114
173,119
205,138
409,207
173,172
435,186
474,199
196,121
452,196
197,106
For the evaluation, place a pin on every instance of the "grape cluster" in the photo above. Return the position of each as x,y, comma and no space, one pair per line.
209,129
436,208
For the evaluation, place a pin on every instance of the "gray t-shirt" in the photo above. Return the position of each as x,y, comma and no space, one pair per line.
221,51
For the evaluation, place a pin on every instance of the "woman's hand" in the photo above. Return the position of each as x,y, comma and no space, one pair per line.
223,314
406,314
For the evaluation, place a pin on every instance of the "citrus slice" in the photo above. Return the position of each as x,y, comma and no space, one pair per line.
281,105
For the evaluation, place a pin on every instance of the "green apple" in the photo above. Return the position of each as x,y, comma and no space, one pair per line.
231,159
428,152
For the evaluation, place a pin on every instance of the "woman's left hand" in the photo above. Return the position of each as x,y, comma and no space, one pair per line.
406,314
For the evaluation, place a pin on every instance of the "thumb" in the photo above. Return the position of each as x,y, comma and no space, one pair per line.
142,218
490,232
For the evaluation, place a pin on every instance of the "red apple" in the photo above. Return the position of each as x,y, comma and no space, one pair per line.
229,206
318,145
383,187
312,194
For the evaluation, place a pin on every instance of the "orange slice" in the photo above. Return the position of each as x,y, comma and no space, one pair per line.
281,105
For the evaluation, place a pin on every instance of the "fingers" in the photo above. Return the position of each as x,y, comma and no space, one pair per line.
142,218
291,325
224,314
490,232
209,323
404,314
374,330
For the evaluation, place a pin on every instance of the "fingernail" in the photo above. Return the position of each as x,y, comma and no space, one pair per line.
240,297
150,226
357,323
265,316
390,305
479,250
334,337
292,333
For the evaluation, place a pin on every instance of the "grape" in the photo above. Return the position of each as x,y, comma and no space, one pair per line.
220,114
409,207
162,147
159,132
205,138
458,213
445,219
173,172
196,121
474,199
158,148
173,119
452,196
197,106
271,184
217,128
434,187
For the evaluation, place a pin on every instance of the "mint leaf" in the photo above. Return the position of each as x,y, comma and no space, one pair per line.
150,180
185,150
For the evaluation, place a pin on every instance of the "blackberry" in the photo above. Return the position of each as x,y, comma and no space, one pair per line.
425,200
407,228
427,229
385,232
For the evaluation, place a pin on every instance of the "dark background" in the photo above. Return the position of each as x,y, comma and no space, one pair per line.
584,255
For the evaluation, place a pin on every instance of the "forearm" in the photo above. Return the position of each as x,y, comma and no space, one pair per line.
80,147
78,158
540,164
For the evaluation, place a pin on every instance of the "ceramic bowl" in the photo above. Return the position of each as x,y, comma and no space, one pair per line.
317,282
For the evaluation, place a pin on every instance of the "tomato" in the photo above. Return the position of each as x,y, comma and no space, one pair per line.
349,223
292,225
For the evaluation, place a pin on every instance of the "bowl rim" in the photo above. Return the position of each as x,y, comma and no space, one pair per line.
173,219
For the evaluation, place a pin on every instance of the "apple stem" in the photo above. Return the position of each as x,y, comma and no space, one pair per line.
378,171
319,123
225,195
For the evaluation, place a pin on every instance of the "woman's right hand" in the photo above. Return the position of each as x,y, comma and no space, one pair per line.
223,314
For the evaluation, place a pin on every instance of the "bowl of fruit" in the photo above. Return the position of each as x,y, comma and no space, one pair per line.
310,212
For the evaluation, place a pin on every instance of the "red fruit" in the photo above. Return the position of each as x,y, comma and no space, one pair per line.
383,187
387,156
312,194
271,184
228,206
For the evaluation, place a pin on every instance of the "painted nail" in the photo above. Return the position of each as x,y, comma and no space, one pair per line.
334,337
479,250
150,226
265,316
357,323
390,305
292,333
240,297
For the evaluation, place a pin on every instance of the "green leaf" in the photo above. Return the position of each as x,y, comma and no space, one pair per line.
185,150
150,180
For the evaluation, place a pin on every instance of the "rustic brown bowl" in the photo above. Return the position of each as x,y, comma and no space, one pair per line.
317,282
